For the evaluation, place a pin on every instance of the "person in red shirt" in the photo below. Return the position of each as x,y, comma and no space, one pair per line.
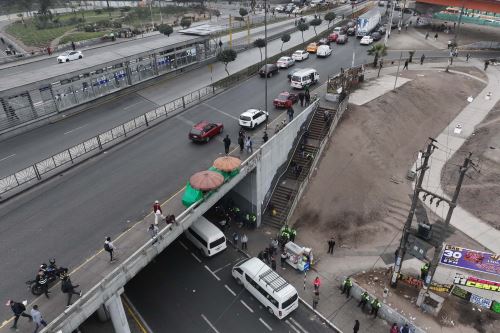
316,283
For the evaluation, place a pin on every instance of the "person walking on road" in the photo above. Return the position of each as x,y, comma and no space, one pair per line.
467,57
436,36
265,137
37,318
315,299
157,211
307,97
422,58
355,329
405,329
69,289
153,232
283,259
249,145
110,248
290,113
427,35
235,239
406,65
346,286
241,143
316,283
365,299
73,46
375,307
486,64
227,144
273,262
244,241
331,245
18,310
301,98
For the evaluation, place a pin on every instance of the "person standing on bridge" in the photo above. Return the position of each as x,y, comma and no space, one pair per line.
301,98
37,318
73,46
355,329
406,65
241,143
110,248
69,289
157,211
249,145
422,58
18,310
227,144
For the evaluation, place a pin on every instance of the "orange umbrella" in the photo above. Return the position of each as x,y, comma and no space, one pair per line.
227,163
206,180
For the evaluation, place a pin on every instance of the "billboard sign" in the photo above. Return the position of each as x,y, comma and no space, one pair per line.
471,281
470,259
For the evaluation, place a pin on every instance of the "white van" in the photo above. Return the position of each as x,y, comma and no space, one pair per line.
278,296
304,77
206,237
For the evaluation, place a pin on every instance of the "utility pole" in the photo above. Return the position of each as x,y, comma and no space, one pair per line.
458,25
406,229
388,31
437,253
265,61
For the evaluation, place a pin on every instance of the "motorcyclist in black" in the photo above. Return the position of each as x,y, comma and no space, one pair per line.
43,282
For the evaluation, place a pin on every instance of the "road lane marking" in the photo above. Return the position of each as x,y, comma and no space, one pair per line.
217,270
183,245
188,122
265,324
246,306
132,105
197,259
230,290
74,129
298,325
134,315
215,276
219,110
291,326
7,157
209,323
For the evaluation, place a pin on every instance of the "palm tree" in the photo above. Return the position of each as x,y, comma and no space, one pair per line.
377,51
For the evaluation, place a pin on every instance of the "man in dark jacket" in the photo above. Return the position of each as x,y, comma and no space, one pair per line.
227,144
69,289
241,143
18,310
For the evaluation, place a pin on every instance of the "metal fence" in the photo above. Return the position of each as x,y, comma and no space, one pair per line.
43,169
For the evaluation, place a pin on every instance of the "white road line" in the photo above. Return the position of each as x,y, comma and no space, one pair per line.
265,324
215,276
74,129
218,269
209,323
188,122
298,325
219,110
7,157
291,326
230,290
246,306
197,259
183,245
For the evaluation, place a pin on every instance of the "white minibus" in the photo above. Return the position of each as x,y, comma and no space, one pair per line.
206,237
278,296
304,77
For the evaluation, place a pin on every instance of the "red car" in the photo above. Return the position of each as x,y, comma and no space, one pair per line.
333,37
285,100
204,131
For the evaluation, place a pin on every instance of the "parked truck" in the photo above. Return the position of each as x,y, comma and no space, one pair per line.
367,22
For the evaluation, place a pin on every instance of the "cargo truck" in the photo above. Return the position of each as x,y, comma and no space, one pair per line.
367,22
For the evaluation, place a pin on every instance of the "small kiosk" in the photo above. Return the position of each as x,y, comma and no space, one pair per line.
300,258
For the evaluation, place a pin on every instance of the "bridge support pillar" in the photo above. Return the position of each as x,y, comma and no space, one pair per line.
117,313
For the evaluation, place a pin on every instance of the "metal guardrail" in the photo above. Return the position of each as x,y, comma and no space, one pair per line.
92,146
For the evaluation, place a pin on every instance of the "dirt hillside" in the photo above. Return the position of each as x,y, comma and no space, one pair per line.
359,193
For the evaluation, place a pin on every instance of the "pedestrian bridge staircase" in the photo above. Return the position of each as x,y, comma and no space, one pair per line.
298,168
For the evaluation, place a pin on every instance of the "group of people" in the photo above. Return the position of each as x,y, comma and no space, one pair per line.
245,143
268,255
305,97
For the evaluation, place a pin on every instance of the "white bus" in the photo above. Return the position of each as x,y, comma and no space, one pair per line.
278,296
206,237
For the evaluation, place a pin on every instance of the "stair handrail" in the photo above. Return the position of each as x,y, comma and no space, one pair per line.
303,127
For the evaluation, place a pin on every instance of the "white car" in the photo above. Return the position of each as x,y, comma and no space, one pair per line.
279,8
366,40
285,62
69,55
323,51
300,55
253,117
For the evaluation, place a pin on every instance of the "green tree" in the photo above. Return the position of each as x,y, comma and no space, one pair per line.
227,56
185,22
165,29
302,27
285,38
377,51
44,6
314,23
260,43
243,13
330,16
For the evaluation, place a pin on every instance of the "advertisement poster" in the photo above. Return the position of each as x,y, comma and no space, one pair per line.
471,281
480,301
459,292
470,259
495,307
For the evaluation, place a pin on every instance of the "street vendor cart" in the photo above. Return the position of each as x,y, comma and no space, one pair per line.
299,257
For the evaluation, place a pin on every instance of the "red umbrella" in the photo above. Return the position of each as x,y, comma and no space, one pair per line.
227,163
206,180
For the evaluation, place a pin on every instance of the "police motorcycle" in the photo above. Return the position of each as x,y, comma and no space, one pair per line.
47,275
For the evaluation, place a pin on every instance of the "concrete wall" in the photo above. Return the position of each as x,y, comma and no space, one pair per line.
244,194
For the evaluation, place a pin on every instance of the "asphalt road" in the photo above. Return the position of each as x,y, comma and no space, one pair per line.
67,217
178,293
